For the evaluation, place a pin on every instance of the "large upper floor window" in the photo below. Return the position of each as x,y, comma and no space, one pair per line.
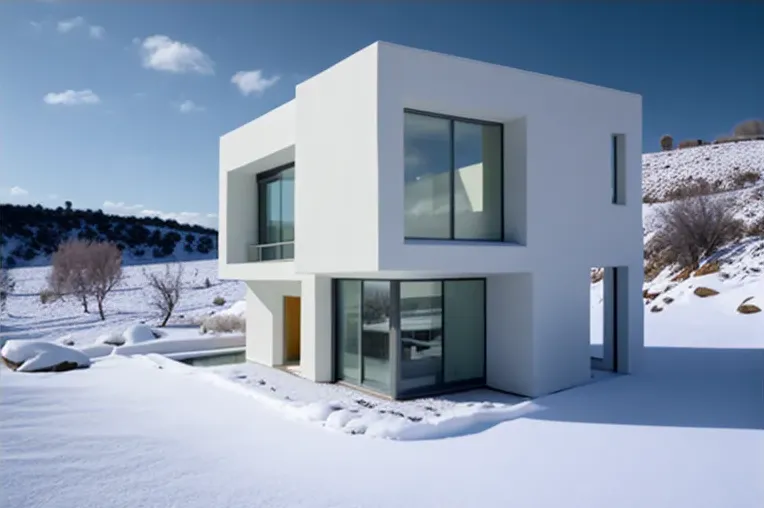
275,191
453,178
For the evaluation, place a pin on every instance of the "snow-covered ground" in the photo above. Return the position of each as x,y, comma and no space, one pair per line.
143,431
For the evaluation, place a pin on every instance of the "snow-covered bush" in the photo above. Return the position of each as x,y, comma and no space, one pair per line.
223,323
34,356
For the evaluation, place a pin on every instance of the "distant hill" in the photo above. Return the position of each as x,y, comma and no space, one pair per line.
30,234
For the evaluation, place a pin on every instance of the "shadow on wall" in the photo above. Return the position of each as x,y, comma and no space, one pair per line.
678,387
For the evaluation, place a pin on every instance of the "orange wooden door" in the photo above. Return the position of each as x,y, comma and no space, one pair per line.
291,328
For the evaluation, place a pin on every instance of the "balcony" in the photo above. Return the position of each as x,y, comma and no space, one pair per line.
270,252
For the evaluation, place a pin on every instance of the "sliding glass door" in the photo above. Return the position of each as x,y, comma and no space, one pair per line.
375,335
363,333
348,328
409,338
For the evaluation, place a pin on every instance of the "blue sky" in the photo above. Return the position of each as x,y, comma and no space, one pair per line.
152,82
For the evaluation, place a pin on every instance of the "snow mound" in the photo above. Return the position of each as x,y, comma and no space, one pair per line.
138,334
34,356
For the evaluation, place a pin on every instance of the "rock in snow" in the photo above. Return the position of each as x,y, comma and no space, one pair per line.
34,356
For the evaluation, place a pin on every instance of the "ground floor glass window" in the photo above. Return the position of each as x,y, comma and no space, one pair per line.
410,338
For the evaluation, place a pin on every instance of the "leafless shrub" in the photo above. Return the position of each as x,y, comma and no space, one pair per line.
756,228
47,296
693,188
649,199
694,228
223,323
104,271
86,269
7,286
745,178
166,289
667,142
726,139
749,129
689,143
68,275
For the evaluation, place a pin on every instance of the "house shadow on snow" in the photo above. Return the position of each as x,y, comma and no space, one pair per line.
677,387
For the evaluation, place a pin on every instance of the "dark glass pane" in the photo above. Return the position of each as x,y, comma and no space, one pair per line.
477,181
376,335
421,326
464,325
349,330
287,204
272,212
427,162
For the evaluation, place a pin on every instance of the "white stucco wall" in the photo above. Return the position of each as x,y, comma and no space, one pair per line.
336,195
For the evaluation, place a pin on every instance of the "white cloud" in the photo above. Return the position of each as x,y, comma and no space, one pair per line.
161,53
96,32
77,23
36,25
18,191
189,107
121,208
72,98
253,81
67,25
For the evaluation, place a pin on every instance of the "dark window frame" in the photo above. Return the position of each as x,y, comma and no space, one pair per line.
452,175
264,178
395,346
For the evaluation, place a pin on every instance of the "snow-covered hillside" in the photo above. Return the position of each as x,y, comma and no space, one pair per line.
733,170
29,318
30,234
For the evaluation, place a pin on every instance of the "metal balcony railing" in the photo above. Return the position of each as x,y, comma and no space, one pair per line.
270,251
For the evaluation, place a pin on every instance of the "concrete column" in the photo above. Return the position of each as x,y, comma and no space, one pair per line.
561,307
316,355
509,333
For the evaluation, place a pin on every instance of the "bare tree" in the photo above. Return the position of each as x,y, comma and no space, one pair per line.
667,142
749,129
166,289
7,285
693,228
86,269
104,271
68,275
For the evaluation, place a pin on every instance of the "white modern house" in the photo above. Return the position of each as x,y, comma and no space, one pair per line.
415,223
